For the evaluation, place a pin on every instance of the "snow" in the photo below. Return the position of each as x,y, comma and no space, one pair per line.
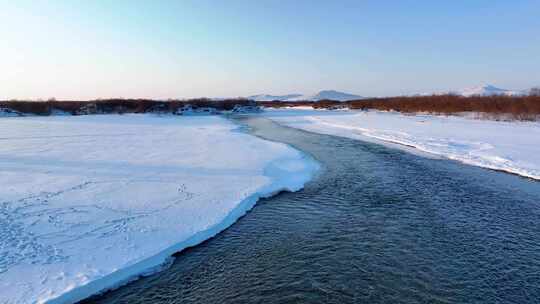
5,112
90,202
507,146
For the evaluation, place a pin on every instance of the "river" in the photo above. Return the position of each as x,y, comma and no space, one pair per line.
378,225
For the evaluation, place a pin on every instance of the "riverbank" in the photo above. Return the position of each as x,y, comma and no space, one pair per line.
512,147
91,202
378,225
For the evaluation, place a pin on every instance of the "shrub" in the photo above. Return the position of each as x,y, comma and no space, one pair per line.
120,105
492,107
513,107
31,107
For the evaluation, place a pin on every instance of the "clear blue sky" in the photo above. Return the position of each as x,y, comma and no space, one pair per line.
160,49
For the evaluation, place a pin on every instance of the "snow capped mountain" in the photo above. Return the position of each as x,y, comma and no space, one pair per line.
486,90
325,94
481,90
266,97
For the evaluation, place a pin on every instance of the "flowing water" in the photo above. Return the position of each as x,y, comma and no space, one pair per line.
378,225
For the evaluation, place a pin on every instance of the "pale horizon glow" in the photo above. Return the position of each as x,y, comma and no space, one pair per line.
184,49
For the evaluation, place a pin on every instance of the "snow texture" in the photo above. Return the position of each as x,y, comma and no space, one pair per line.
88,203
507,146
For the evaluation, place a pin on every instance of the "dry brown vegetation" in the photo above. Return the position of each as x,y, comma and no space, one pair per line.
490,107
493,107
117,105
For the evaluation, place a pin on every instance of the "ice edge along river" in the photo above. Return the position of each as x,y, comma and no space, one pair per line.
36,154
511,147
158,262
342,123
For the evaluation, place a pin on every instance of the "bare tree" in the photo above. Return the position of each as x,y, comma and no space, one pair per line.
535,91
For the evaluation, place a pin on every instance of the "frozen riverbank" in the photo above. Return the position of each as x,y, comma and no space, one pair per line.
92,201
507,146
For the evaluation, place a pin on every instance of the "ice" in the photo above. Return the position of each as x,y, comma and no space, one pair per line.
507,146
90,202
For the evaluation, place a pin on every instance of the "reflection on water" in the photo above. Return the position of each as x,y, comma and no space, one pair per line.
377,226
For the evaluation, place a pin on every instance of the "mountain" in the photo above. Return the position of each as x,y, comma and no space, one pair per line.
486,90
535,91
325,94
266,97
334,95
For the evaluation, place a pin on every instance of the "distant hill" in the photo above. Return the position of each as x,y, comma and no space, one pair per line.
486,90
481,90
334,95
266,97
325,94
535,91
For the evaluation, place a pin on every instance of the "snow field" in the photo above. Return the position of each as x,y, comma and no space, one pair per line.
507,146
90,202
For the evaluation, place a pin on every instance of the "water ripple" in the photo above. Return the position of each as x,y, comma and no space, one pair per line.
378,226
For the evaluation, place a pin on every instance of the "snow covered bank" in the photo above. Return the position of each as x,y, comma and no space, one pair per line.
5,112
89,202
507,146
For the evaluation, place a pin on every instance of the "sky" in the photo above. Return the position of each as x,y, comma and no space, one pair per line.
181,49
